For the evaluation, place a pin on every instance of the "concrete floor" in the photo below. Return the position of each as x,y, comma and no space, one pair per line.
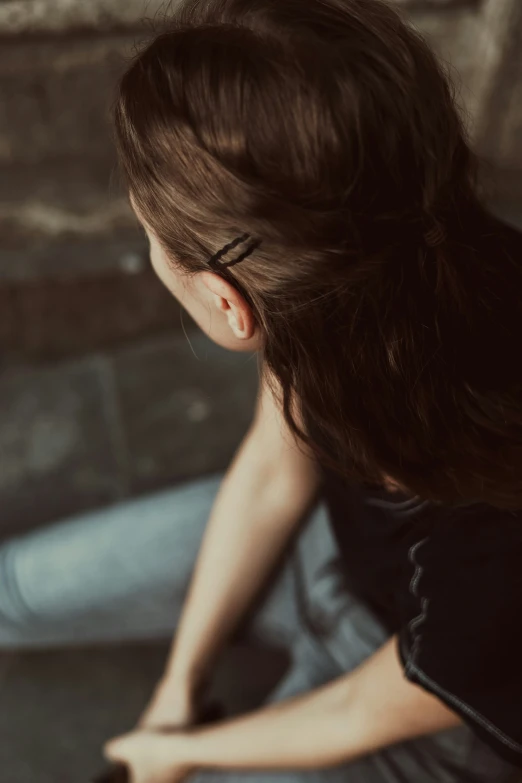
58,708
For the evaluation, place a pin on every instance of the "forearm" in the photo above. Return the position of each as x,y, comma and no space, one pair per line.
264,496
253,519
303,733
351,717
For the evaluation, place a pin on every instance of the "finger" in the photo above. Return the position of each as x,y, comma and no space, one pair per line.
146,720
113,749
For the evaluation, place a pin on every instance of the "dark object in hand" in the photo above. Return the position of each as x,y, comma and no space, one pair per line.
118,773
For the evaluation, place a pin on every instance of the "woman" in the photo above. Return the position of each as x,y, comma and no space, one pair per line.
308,192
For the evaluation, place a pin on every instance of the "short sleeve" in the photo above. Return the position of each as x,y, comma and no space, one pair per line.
461,638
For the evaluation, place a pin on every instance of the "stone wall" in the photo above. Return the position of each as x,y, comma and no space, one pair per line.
58,180
73,270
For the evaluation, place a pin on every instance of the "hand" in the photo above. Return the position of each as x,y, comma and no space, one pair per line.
172,706
150,757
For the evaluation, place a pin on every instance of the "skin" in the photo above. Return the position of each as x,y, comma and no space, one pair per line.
360,712
214,304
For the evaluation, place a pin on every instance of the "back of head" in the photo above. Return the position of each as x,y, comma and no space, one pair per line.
387,296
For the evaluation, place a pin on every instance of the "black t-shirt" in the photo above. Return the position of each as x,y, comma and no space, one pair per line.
449,583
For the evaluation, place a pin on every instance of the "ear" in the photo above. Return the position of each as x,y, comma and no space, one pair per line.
232,304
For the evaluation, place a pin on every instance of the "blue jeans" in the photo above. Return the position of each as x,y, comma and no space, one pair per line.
123,573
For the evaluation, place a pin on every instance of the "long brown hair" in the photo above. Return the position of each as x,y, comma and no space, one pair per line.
388,298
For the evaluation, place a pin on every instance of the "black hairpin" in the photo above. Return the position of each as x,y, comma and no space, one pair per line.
215,261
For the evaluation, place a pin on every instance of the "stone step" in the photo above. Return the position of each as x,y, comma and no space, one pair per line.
30,17
63,210
82,434
61,16
60,318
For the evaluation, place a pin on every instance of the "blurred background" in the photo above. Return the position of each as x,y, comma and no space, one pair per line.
101,395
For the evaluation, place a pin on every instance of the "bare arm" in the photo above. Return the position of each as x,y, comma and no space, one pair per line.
371,708
265,494
357,714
